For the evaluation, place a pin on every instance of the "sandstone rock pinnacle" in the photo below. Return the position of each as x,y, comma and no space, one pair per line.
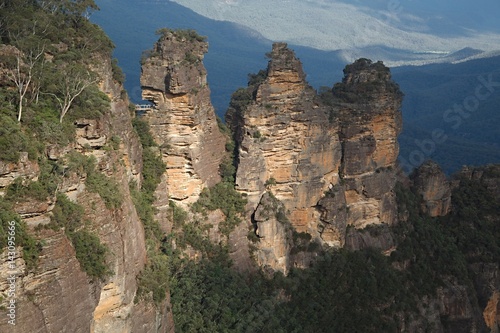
329,164
183,122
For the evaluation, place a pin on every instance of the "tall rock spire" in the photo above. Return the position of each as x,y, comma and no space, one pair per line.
183,122
321,163
368,103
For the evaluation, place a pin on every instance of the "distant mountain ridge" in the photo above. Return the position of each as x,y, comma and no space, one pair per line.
235,51
421,32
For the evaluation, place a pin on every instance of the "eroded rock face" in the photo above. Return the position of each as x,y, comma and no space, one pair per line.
274,235
24,168
183,122
58,296
330,164
370,119
431,183
287,144
333,208
374,236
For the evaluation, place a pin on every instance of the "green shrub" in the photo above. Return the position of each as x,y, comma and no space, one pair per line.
153,169
187,34
106,187
191,58
44,121
91,104
179,215
42,189
228,225
145,211
90,253
115,142
270,182
153,280
227,170
67,214
12,139
240,100
222,196
142,129
118,74
31,246
257,79
80,164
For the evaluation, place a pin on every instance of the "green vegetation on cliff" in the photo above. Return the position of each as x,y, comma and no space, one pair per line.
11,225
153,280
189,35
49,57
47,51
89,250
344,291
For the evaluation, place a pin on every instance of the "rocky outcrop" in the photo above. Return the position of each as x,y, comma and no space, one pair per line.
182,119
333,209
369,114
330,164
24,168
431,184
57,297
377,236
287,145
491,313
274,232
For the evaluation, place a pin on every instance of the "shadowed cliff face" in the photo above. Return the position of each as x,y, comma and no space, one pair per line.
368,103
431,183
183,122
330,165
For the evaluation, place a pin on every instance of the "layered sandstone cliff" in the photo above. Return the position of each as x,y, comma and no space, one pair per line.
370,119
330,165
57,295
182,119
287,145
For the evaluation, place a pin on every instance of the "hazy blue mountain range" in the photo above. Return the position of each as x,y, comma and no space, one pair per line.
422,31
462,100
235,51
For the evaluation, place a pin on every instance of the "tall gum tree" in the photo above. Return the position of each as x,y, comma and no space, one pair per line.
21,70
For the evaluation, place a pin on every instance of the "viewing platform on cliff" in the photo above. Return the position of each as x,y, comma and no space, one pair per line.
144,107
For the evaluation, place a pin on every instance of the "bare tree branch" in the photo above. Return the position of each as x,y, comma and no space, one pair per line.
73,83
23,72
